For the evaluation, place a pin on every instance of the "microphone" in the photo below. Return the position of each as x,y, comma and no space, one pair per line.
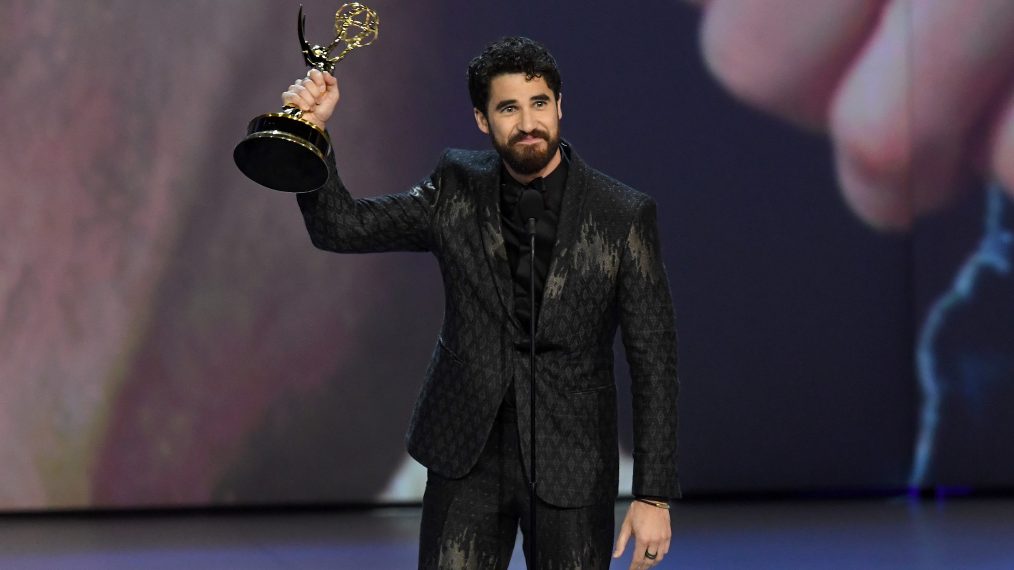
531,207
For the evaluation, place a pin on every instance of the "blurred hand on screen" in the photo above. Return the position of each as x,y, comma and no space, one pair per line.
916,94
316,95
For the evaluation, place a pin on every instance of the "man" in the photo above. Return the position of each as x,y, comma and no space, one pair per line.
597,266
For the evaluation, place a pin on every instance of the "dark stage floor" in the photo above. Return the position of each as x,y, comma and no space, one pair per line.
860,534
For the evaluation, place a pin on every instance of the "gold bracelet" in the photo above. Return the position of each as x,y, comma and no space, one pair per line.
659,504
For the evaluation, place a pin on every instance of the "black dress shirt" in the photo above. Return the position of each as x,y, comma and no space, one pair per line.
515,235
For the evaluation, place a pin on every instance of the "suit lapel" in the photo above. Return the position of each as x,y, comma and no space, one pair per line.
486,188
571,214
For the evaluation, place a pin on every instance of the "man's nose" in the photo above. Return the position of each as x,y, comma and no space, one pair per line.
528,122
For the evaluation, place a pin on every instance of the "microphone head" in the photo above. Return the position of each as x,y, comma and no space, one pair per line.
531,205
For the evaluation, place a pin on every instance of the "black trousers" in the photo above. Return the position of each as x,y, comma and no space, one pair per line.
472,522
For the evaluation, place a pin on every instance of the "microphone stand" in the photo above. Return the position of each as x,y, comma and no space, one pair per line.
531,397
531,206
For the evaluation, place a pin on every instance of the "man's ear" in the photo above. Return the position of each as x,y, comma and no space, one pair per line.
559,106
481,121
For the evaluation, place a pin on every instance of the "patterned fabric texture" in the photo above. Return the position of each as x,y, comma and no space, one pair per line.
606,272
471,523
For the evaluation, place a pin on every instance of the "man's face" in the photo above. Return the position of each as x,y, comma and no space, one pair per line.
522,120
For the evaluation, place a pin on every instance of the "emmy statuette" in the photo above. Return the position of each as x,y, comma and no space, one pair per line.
282,151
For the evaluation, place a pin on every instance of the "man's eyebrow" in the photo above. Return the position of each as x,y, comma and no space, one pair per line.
506,103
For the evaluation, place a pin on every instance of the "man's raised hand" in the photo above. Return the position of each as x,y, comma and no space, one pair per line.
316,96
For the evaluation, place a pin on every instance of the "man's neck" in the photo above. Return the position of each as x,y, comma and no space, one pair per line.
546,170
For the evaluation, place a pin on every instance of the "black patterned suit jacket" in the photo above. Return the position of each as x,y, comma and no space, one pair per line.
606,271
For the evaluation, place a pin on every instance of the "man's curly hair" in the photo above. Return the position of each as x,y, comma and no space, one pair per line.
510,55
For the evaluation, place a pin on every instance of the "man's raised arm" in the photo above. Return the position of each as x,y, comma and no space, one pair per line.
334,219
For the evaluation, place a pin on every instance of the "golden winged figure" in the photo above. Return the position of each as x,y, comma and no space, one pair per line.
355,26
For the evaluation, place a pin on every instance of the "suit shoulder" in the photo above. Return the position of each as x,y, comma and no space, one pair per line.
468,162
616,193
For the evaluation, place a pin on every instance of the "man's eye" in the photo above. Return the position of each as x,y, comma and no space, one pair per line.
508,109
540,104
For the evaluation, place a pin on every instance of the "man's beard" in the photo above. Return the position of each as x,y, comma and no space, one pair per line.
527,159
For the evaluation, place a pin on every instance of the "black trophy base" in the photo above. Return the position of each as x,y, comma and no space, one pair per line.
284,153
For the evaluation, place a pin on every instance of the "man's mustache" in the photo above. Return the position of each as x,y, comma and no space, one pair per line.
534,133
